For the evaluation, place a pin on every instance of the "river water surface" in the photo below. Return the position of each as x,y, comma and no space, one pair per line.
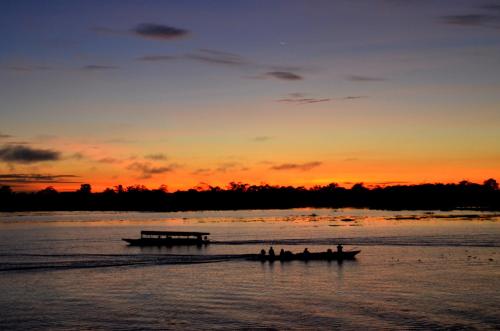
416,270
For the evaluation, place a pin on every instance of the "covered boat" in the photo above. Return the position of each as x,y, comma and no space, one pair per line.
169,238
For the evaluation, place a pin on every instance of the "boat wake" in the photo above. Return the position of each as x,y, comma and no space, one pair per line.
26,262
478,240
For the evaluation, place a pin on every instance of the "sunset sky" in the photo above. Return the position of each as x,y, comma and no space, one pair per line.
279,92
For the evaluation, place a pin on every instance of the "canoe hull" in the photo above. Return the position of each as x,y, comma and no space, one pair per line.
322,256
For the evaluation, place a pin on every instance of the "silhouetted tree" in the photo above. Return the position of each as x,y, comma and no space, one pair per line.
137,188
49,190
163,188
238,187
108,191
491,184
5,190
358,187
85,189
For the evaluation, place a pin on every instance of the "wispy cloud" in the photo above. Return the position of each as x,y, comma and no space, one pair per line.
77,156
469,19
208,56
284,75
159,31
354,97
359,78
297,166
202,171
229,59
297,95
300,98
18,143
148,170
304,100
5,136
28,68
489,18
119,141
223,167
156,157
35,178
98,67
109,160
157,58
217,57
26,154
491,6
262,138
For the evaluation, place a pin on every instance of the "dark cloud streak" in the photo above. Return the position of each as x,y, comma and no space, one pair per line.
26,154
28,68
35,178
354,97
217,57
284,75
156,157
262,138
157,58
202,55
297,166
302,101
108,160
98,67
359,78
159,31
469,19
148,170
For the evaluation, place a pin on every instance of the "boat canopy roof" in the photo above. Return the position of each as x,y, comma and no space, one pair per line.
174,233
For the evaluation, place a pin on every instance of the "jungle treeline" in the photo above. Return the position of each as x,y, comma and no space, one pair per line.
237,195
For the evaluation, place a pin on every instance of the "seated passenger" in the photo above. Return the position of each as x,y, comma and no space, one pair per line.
306,253
339,248
271,252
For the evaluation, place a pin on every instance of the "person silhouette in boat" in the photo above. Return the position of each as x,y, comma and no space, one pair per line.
282,254
262,254
340,248
306,254
271,253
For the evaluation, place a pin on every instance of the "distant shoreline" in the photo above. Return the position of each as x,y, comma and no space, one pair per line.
238,196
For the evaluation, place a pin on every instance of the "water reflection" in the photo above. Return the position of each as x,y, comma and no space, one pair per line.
426,273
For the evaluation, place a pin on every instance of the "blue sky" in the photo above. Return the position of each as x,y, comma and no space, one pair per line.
286,82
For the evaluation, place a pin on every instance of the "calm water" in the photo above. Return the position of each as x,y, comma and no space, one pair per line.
417,270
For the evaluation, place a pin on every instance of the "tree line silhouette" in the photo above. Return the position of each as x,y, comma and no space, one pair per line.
244,196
